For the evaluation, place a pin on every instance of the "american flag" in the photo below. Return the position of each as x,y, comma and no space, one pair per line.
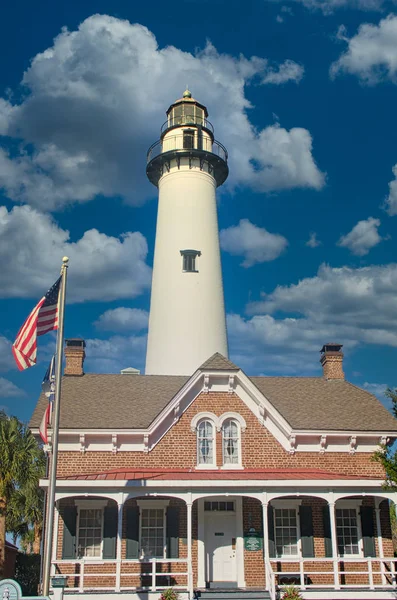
42,319
48,387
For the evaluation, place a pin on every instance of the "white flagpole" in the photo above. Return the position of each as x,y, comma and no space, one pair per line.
49,521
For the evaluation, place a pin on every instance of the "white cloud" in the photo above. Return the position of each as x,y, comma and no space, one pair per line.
327,7
313,241
286,71
256,244
101,267
362,237
9,389
7,361
91,111
371,54
391,200
123,319
346,305
115,353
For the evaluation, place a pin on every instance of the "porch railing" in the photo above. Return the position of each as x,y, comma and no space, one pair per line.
376,573
81,573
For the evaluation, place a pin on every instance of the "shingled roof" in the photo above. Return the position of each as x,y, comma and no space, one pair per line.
217,362
315,403
98,401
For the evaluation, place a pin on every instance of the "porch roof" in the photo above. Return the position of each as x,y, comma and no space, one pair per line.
208,474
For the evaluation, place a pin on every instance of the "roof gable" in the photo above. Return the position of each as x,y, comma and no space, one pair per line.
217,362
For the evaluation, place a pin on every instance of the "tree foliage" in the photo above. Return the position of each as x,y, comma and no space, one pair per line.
22,463
387,455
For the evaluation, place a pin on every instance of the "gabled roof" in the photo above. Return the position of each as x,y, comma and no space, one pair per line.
117,402
217,362
315,403
99,401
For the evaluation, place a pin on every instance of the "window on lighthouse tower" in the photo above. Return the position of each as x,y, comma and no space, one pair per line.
189,260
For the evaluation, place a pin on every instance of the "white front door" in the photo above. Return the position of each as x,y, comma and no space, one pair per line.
220,545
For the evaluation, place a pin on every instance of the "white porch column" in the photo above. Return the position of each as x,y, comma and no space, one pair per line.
201,562
120,505
189,506
266,557
334,544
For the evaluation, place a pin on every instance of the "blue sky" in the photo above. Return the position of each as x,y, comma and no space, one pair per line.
303,95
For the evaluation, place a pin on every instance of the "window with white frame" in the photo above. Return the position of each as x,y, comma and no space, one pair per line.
152,534
231,442
286,531
89,533
347,531
205,443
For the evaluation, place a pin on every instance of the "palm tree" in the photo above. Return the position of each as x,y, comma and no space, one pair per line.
21,466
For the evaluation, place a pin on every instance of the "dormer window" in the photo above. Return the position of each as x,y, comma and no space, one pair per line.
189,260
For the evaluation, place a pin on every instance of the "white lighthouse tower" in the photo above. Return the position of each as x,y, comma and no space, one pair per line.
187,314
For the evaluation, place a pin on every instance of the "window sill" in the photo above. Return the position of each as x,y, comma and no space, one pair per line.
207,467
189,271
232,468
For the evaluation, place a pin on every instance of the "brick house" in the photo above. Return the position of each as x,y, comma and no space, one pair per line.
220,480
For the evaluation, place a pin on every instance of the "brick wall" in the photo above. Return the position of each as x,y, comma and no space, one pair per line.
177,449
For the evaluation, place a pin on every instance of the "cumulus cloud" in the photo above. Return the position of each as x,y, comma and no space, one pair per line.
101,267
254,243
115,353
285,330
9,389
371,54
123,319
90,111
313,241
391,199
353,304
362,237
286,71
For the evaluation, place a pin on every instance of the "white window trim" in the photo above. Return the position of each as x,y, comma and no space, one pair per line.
86,505
197,419
226,418
352,503
291,504
159,504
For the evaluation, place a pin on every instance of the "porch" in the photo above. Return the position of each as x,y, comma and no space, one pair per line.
224,535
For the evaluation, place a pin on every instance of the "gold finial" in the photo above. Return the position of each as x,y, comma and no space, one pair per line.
187,93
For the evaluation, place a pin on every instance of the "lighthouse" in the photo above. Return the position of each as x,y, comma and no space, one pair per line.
187,314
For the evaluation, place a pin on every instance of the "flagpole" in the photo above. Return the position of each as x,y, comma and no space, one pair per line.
49,523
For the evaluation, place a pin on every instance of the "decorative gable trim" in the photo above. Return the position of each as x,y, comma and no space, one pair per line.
227,382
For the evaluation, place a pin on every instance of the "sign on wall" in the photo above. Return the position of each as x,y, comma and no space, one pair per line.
253,541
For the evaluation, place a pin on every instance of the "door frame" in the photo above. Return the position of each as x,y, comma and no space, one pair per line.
201,551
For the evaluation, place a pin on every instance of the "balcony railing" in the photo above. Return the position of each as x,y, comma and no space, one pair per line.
125,575
345,572
187,120
179,143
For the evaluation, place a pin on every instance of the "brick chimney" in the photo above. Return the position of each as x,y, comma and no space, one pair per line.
74,355
332,361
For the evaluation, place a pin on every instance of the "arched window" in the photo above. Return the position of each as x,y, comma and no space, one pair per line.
231,442
205,443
